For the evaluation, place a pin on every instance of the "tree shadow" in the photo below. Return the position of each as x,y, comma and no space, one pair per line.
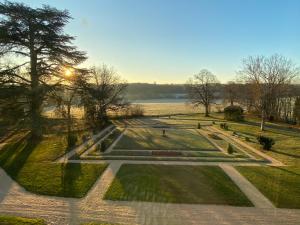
70,172
15,155
287,154
288,171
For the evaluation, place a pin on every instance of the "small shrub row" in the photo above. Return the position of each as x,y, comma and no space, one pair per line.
108,140
224,126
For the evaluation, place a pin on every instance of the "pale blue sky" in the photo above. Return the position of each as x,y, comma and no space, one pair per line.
167,41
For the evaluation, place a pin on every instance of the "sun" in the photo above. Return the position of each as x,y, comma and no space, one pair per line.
68,72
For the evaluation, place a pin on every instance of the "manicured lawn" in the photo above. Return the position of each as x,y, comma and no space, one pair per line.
31,165
280,184
175,184
287,142
98,224
149,138
12,220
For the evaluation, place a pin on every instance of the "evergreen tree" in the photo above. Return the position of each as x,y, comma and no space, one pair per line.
37,38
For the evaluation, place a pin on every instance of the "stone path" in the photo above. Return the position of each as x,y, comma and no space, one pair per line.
273,161
16,201
82,147
254,195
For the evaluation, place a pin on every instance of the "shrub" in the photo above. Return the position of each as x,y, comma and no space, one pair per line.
230,149
84,138
199,126
234,113
136,111
71,140
224,126
266,142
247,139
102,146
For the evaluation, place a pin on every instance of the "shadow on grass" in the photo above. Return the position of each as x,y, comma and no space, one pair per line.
70,172
14,156
288,171
287,154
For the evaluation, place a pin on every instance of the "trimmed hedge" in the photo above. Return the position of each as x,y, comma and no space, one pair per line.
234,113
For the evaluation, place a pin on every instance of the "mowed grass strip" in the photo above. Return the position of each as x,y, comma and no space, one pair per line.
31,165
151,138
280,184
175,184
13,220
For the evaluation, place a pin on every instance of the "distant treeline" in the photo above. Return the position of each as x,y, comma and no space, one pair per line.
155,91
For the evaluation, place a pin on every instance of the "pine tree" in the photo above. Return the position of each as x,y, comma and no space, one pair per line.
36,36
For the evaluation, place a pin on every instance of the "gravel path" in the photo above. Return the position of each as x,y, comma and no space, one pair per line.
16,201
254,195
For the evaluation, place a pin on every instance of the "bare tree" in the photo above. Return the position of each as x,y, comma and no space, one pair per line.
201,89
231,92
267,76
69,94
105,91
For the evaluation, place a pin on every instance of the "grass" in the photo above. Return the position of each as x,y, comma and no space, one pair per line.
280,184
175,184
13,220
149,138
31,165
98,223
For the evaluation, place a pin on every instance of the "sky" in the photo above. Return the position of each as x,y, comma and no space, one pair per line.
168,41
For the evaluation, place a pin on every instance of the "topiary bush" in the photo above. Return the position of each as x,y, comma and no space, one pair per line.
230,149
71,140
234,113
102,146
266,142
224,126
199,126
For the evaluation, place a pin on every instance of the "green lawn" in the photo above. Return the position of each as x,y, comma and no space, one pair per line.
280,184
150,138
93,223
31,165
12,220
175,184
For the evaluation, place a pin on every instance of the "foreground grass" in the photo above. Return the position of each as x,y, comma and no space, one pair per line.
148,138
12,220
175,184
31,165
280,184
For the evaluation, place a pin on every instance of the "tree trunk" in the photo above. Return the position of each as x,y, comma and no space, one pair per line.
263,118
69,121
206,110
36,99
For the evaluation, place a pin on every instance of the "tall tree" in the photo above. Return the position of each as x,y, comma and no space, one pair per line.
297,110
105,91
202,89
231,91
36,36
268,77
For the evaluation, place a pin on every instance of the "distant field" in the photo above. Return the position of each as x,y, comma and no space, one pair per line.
150,108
